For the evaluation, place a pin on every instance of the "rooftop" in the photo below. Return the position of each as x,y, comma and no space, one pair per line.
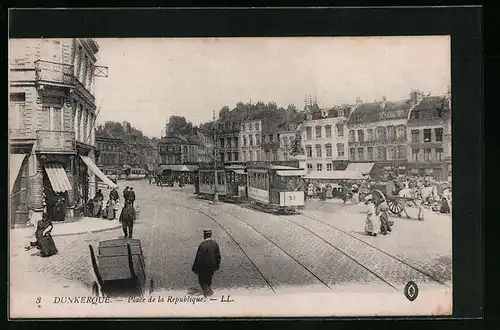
373,111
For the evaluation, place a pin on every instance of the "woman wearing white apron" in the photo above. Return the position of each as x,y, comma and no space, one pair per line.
372,225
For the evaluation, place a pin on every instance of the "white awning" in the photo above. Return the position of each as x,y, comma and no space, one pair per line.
364,168
57,177
292,173
93,167
335,175
15,163
239,171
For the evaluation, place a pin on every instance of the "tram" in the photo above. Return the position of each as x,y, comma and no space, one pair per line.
134,173
236,181
276,186
206,180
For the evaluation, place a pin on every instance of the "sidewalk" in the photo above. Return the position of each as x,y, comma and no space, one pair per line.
85,225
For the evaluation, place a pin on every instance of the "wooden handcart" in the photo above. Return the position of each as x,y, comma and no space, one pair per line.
386,190
119,268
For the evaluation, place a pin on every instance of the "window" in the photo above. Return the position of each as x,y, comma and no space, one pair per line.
275,155
290,139
328,131
439,134
361,135
221,143
257,127
352,154
401,152
229,157
257,139
427,135
250,155
17,107
285,155
381,133
319,167
250,127
308,133
351,137
370,153
391,133
340,150
382,153
392,153
309,151
309,167
415,136
414,154
370,134
427,154
318,132
318,150
439,154
250,139
328,148
401,133
329,167
244,141
340,129
361,153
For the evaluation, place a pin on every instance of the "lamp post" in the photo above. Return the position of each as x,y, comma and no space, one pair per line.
216,194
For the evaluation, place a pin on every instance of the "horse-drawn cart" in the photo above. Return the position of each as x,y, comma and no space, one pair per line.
119,268
388,191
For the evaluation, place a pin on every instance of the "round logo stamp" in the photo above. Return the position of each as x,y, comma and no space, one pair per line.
411,291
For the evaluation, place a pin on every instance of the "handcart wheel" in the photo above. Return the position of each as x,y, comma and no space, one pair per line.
151,286
95,289
395,207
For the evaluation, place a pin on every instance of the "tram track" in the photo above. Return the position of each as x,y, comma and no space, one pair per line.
379,276
272,286
401,261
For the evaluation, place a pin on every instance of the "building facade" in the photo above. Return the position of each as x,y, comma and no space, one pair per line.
178,149
377,133
250,141
228,133
429,138
324,138
52,112
109,152
206,148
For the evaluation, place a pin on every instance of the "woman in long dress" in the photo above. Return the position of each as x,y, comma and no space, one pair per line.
382,209
110,209
371,225
45,242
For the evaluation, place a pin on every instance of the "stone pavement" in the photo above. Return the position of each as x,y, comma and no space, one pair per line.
83,226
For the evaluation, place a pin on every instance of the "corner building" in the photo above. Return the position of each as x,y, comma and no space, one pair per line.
52,113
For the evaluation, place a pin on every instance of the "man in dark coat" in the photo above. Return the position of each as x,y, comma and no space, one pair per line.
125,194
131,196
114,195
127,218
207,261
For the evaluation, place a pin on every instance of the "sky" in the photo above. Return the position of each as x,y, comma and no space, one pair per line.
151,79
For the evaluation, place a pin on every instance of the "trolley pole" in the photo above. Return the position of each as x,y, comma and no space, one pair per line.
216,194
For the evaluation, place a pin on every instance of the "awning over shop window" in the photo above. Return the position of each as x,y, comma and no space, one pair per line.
15,163
93,167
57,177
239,171
335,175
363,168
292,173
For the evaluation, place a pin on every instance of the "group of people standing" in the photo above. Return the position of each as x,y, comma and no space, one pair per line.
377,217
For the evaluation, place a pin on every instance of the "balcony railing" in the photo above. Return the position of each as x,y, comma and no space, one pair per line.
54,73
55,141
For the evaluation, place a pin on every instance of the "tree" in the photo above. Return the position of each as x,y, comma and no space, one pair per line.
178,125
297,146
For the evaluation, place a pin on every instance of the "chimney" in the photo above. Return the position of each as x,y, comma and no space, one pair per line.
382,104
358,100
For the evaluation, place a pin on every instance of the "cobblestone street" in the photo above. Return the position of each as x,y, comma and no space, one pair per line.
322,249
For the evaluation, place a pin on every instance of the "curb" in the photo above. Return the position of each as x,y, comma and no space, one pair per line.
90,231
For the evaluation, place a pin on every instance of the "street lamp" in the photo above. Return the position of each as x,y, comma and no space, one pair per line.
216,194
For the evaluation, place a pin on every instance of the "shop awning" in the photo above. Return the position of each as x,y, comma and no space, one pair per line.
292,173
335,175
57,177
239,171
364,168
93,167
179,168
15,163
